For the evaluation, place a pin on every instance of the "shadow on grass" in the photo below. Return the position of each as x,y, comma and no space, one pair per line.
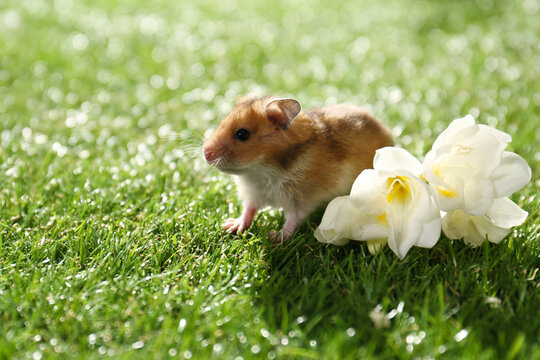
492,291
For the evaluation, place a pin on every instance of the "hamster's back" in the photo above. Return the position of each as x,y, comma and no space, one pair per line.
346,140
351,134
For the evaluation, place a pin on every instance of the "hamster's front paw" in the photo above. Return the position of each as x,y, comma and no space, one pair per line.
242,223
235,225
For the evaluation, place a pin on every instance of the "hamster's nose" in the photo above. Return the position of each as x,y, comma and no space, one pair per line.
209,154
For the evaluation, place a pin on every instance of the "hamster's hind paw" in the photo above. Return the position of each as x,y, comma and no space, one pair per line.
277,237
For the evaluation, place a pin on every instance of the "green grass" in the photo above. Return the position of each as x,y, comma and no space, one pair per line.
110,241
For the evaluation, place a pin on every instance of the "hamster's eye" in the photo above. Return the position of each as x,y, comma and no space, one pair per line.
241,135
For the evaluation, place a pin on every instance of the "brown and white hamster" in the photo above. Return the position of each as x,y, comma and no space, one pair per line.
291,159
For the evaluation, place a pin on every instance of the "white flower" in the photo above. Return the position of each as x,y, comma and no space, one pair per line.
342,222
494,225
468,168
387,203
399,200
338,221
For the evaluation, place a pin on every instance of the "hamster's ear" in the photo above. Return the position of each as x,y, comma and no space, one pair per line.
282,112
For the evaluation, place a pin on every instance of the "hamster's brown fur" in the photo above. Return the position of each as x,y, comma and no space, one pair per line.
291,159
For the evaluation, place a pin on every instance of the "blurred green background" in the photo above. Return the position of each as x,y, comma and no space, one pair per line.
109,220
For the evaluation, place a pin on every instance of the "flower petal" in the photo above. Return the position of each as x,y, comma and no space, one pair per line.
373,231
511,175
458,225
505,213
402,235
394,159
454,126
467,167
500,135
413,222
461,131
330,236
335,227
374,246
448,198
494,226
431,233
428,168
367,192
478,148
487,229
478,196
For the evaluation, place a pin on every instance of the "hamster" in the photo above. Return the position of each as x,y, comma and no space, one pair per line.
287,158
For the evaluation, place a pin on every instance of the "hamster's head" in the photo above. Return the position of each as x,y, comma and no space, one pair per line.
250,134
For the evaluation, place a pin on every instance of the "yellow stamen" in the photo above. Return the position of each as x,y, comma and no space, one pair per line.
398,189
446,192
437,170
382,219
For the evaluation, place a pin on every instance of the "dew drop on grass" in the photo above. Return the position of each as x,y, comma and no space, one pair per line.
495,302
462,334
392,314
241,337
